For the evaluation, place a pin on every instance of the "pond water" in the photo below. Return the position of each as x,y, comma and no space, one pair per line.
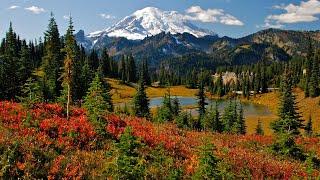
250,109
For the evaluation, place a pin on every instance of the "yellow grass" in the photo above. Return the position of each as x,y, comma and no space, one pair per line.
124,93
307,107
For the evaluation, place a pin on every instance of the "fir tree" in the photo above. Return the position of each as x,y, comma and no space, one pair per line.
289,121
31,93
212,120
241,121
70,51
201,101
97,103
308,129
52,61
175,107
141,101
314,90
229,117
220,87
259,128
144,72
10,64
122,69
207,164
105,63
165,111
131,69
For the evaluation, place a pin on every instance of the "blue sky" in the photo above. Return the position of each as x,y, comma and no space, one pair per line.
30,17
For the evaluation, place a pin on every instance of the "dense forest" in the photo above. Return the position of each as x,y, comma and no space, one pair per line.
57,118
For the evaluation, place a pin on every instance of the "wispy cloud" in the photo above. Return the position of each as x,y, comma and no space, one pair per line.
66,17
107,16
35,9
306,11
196,13
13,7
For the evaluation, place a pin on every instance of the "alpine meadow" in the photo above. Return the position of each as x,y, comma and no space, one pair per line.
171,89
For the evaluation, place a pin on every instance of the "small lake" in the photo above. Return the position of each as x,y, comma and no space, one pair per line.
250,109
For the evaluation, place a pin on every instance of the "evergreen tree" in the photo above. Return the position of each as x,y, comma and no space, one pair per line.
212,120
220,87
144,72
259,128
308,68
97,103
175,107
70,51
105,63
10,84
31,93
86,76
229,117
308,129
201,101
241,124
207,168
24,63
314,90
165,111
289,121
141,101
128,163
131,69
122,69
52,61
94,61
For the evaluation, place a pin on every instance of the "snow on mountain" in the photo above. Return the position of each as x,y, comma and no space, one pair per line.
151,21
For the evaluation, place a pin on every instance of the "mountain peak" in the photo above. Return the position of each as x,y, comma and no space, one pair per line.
151,21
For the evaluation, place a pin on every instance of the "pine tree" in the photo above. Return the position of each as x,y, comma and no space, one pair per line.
165,111
144,72
241,121
122,69
201,101
97,103
212,120
289,121
31,93
175,107
70,51
308,129
207,164
220,88
128,163
314,90
52,61
10,84
141,101
229,117
131,69
259,128
24,63
105,63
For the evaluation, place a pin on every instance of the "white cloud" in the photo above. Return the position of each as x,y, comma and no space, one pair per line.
13,7
306,11
35,9
66,17
107,16
196,13
230,20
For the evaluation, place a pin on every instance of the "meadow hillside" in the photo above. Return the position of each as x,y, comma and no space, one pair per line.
41,143
122,93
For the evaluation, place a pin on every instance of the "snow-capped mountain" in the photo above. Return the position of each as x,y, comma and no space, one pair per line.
150,21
